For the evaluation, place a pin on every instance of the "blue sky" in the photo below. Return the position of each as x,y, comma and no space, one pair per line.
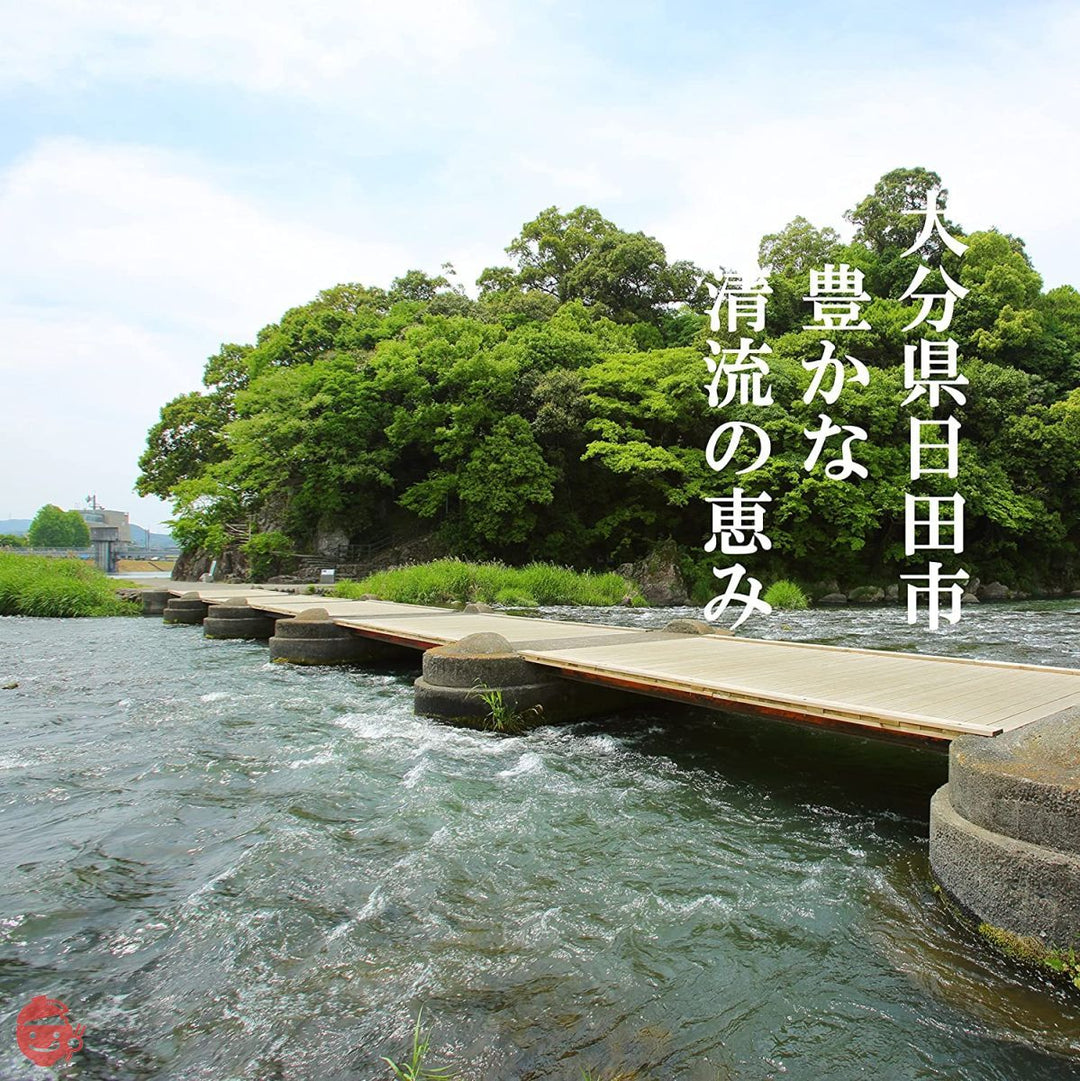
174,176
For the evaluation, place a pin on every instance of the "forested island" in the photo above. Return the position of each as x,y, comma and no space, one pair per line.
561,415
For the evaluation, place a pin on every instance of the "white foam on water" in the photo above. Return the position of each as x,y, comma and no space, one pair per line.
440,837
375,680
323,758
652,783
379,726
413,776
529,762
374,906
123,943
538,929
707,901
603,744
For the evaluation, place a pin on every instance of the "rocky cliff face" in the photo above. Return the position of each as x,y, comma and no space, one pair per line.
190,566
658,576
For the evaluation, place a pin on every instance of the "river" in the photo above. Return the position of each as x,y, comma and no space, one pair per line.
230,869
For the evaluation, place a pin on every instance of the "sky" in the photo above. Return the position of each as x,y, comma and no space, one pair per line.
175,176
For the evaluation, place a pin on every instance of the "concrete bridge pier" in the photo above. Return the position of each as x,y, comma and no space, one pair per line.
461,681
313,638
154,601
190,609
238,621
1005,835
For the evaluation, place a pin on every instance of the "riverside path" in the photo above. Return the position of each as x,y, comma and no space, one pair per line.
875,692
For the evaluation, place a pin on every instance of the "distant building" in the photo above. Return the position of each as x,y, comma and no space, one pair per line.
110,533
115,519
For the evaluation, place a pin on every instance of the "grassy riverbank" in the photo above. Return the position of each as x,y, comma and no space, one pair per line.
39,586
448,581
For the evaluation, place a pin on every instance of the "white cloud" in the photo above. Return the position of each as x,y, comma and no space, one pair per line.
140,235
572,185
125,273
736,167
277,46
80,392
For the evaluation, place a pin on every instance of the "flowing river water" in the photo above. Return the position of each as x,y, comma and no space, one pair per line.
235,870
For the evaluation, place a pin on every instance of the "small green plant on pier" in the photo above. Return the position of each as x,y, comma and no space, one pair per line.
39,586
1032,951
1026,949
785,594
414,1069
502,718
1067,963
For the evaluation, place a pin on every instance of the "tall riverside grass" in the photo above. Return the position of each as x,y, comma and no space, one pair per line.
39,586
450,581
785,594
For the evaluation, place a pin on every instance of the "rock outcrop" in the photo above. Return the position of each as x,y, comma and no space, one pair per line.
658,576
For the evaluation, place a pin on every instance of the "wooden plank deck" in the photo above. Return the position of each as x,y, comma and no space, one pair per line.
929,697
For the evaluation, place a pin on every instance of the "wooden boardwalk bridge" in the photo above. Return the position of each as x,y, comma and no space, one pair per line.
872,691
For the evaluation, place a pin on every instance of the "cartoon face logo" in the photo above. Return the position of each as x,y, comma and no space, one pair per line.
44,1033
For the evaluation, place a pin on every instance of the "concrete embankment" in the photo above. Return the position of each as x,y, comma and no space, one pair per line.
1005,832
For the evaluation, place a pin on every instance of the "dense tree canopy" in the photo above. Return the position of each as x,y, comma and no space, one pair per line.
56,528
583,256
562,414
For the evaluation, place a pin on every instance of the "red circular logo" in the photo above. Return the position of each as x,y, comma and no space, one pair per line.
44,1033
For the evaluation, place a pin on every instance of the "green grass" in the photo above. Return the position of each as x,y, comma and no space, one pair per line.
39,586
414,1068
453,581
784,594
502,718
1031,950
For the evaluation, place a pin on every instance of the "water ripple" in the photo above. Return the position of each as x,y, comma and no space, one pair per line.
234,869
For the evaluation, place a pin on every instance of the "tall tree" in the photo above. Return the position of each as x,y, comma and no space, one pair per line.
183,443
580,255
78,530
798,248
56,528
888,218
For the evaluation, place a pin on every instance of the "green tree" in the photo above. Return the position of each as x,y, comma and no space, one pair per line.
56,528
565,408
266,553
183,443
439,296
888,218
798,248
580,255
78,530
789,256
888,221
503,482
416,285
